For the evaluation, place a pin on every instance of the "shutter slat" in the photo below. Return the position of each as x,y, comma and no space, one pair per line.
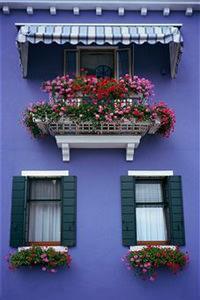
69,210
175,200
68,229
128,211
18,212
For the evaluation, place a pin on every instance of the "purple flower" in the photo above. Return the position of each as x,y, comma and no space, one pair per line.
152,278
45,259
53,271
7,257
11,267
144,270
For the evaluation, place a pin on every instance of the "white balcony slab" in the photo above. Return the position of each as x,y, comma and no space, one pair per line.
67,142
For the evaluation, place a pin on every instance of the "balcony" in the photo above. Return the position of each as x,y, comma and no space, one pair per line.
71,134
91,112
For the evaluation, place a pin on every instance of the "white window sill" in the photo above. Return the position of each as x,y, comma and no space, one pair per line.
56,248
138,248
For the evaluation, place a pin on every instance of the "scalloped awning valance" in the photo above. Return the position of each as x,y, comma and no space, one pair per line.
101,34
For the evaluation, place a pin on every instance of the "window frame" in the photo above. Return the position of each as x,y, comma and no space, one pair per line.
130,50
115,50
162,204
40,175
65,60
149,177
97,49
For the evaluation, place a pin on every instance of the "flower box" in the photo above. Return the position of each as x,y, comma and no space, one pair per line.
67,126
47,258
89,105
146,260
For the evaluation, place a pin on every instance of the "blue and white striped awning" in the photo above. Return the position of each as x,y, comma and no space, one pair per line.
98,33
102,34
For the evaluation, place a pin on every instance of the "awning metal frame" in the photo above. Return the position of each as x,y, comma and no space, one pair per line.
113,34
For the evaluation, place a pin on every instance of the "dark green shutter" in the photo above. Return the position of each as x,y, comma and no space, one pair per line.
68,228
176,217
18,213
128,210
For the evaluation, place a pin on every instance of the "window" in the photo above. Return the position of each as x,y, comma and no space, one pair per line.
44,217
152,209
43,209
151,212
99,61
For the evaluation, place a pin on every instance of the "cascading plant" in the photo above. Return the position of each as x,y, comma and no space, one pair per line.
47,259
94,100
146,261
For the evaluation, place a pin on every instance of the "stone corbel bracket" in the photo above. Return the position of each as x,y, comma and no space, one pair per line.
66,142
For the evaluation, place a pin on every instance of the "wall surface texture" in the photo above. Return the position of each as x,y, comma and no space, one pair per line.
97,271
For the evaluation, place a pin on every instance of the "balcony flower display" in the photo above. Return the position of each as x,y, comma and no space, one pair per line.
146,261
94,89
86,99
47,259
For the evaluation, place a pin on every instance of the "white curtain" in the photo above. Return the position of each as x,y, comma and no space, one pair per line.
42,189
151,225
45,216
45,221
148,192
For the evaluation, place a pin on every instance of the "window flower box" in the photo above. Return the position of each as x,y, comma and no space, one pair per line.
47,258
146,260
68,126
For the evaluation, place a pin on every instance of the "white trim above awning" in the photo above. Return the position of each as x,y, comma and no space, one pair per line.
100,34
129,5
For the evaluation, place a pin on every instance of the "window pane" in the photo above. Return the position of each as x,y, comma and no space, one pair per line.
45,221
149,192
70,63
123,62
151,225
99,63
41,189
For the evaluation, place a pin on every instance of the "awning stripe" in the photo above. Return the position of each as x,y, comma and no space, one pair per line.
98,34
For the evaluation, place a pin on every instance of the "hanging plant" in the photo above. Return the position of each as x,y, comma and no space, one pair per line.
146,261
47,259
97,101
97,89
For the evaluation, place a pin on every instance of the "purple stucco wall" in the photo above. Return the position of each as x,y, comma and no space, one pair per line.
97,271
